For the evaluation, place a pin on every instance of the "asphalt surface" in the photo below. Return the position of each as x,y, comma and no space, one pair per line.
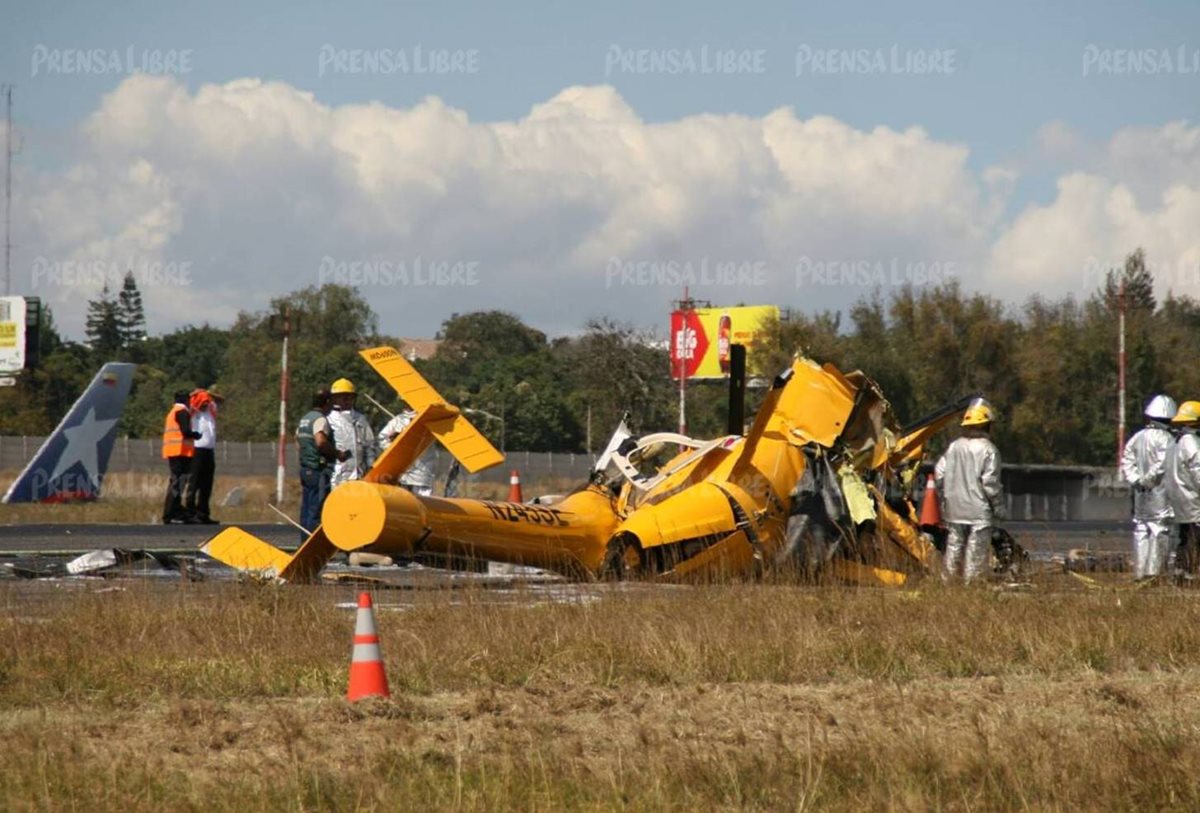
1043,538
1050,538
64,539
33,560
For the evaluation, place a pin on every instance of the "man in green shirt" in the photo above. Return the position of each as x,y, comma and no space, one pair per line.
314,436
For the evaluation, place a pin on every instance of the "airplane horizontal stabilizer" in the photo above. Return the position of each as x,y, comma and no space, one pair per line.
242,550
444,421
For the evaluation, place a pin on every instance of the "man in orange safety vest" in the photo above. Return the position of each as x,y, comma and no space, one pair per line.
177,449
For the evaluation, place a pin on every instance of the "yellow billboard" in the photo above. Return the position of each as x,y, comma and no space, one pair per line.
12,333
700,338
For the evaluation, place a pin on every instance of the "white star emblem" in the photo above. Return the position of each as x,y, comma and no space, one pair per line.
82,440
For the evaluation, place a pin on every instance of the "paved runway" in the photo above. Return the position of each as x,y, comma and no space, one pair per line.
64,539
44,550
1042,538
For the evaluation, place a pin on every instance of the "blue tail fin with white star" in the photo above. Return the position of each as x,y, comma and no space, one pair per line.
70,465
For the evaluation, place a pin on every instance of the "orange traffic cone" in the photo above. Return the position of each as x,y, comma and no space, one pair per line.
514,487
931,512
367,678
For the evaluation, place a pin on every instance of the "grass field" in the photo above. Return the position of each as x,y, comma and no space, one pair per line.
758,697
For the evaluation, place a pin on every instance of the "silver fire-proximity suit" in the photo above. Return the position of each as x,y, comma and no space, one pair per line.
968,478
1181,481
419,477
1143,465
352,433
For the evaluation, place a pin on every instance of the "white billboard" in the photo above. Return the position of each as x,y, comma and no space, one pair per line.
12,333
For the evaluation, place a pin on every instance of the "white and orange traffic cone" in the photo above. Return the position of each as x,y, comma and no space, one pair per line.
367,677
514,487
931,512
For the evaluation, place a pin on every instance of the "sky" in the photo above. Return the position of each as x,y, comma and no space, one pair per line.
568,161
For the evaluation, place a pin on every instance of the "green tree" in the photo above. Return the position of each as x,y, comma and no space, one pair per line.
490,360
1139,284
131,317
327,327
103,327
1177,339
194,356
614,370
42,396
1142,378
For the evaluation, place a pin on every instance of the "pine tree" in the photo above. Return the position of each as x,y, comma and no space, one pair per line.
131,316
103,326
1139,284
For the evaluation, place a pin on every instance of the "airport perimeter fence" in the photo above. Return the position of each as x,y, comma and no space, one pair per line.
247,458
1032,492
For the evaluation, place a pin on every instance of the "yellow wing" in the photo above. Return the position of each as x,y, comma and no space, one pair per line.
442,420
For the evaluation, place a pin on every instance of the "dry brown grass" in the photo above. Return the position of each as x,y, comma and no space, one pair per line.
723,697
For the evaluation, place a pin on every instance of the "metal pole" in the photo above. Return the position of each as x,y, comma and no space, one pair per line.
283,394
681,351
1120,371
8,190
379,406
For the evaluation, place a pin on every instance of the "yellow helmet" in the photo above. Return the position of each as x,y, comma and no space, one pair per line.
342,385
977,415
1189,412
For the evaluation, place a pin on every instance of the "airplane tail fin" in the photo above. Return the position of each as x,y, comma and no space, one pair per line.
70,465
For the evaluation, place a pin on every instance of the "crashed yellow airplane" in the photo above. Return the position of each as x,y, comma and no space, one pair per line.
817,485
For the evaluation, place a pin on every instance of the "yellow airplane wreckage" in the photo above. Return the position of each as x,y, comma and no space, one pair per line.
817,486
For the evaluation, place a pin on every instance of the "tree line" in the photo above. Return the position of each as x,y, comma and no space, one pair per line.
1049,366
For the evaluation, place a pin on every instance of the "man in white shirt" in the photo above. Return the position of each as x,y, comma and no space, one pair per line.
968,478
1143,466
352,435
419,478
204,457
1181,481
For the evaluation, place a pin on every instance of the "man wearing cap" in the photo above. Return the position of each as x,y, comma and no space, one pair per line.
177,449
352,434
1181,480
968,478
204,458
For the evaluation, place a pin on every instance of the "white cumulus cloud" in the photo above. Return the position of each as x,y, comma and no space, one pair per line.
252,188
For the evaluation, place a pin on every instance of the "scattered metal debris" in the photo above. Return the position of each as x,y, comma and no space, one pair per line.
1084,560
105,562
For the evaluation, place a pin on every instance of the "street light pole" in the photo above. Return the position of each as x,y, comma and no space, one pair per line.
1120,371
283,397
